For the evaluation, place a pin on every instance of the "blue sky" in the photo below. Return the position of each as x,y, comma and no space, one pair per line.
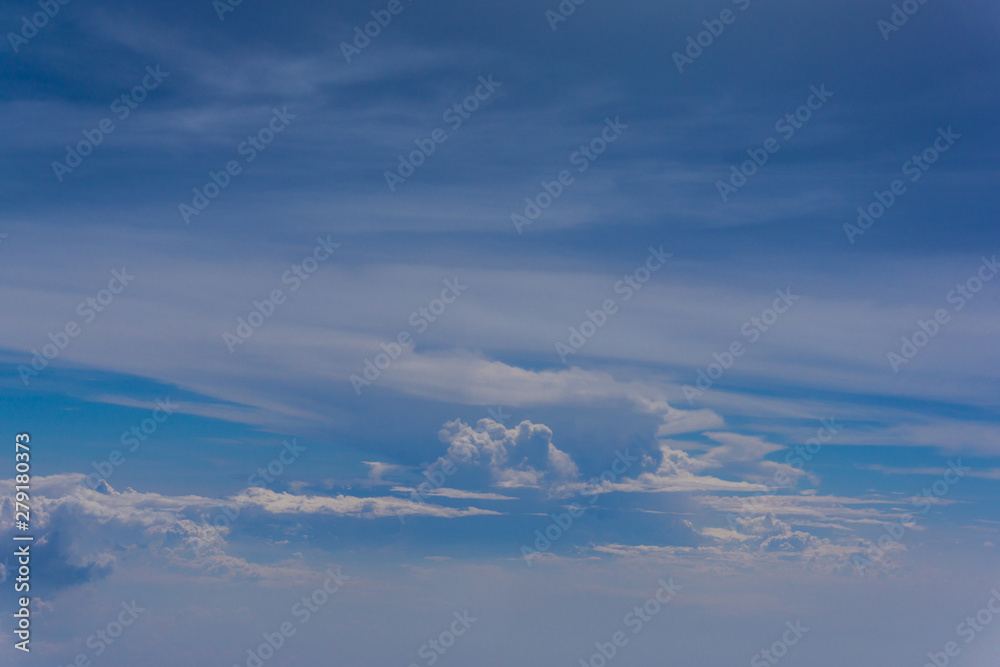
609,251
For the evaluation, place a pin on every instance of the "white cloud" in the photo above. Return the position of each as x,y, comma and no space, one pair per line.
362,508
734,447
562,464
377,469
458,494
89,533
523,456
676,473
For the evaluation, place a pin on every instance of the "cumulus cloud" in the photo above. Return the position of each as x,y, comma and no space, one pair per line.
85,534
525,456
765,533
88,533
522,456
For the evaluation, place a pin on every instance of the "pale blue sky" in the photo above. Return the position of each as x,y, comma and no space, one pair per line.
188,296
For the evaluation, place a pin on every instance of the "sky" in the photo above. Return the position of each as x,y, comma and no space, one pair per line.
579,333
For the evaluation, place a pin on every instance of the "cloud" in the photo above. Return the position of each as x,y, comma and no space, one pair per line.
809,507
455,493
680,471
378,469
686,421
676,472
774,531
562,464
85,534
743,456
523,456
734,447
987,473
273,502
765,533
91,532
755,541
